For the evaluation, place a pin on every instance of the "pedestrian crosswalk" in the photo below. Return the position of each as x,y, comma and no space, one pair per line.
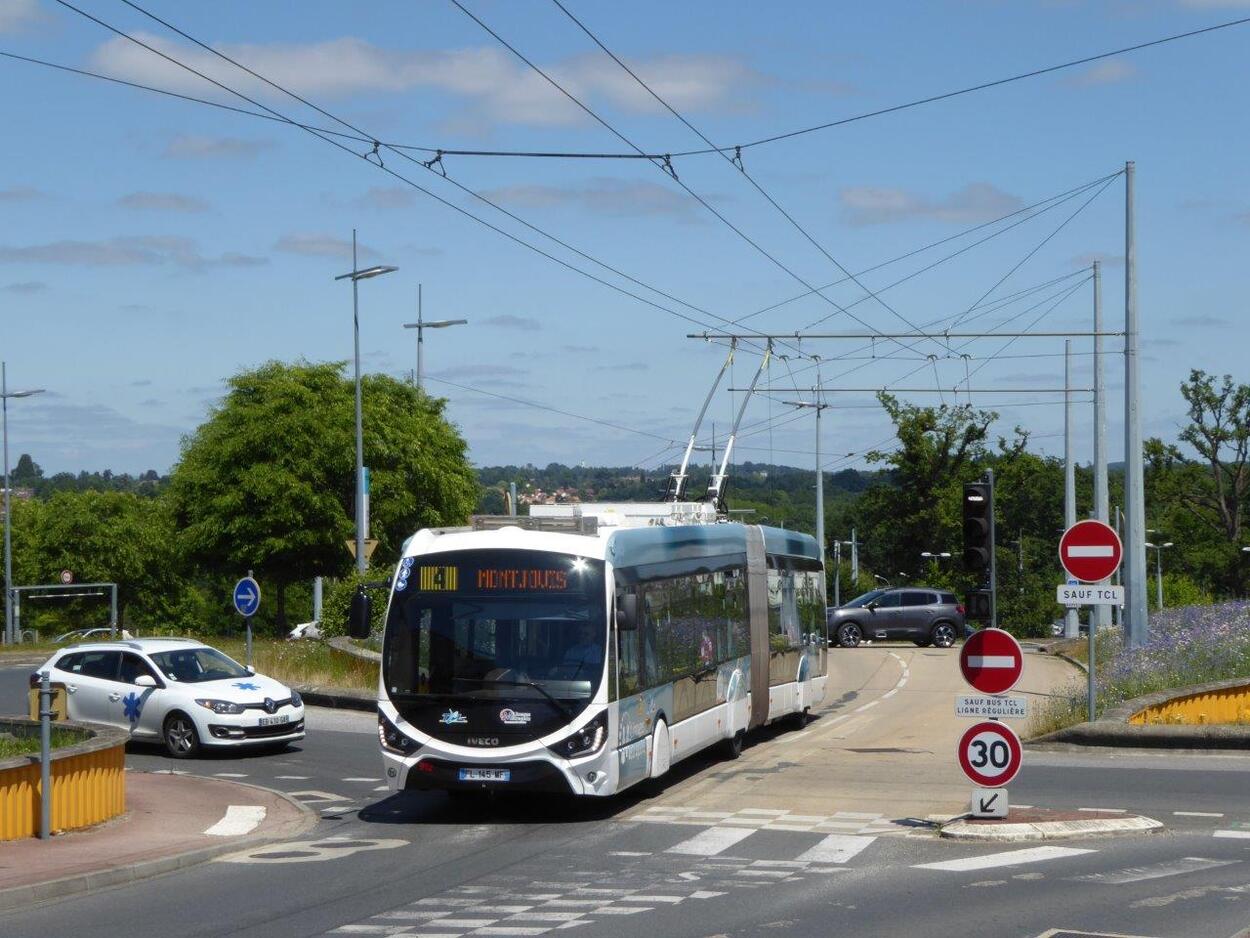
773,819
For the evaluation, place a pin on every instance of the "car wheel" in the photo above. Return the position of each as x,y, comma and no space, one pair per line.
732,747
922,642
181,739
943,635
850,635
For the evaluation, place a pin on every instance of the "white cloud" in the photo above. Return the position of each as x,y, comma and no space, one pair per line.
1104,73
18,15
26,287
320,245
163,202
501,87
508,321
196,147
1202,322
975,203
612,197
20,193
138,250
388,197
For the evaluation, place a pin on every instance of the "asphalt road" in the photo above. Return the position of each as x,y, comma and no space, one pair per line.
421,864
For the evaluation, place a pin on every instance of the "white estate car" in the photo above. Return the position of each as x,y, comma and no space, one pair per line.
177,691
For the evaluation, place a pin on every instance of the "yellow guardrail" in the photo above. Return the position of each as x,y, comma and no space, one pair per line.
1226,705
87,788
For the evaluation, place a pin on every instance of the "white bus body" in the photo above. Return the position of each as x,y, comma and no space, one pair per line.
584,663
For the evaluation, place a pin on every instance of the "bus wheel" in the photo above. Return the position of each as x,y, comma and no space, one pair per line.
661,749
732,747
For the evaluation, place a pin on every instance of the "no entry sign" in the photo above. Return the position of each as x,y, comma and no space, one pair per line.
990,754
1090,551
991,661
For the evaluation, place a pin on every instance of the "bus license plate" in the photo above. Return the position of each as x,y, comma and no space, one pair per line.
274,721
485,775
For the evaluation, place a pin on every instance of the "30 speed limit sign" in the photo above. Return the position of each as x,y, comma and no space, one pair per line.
990,754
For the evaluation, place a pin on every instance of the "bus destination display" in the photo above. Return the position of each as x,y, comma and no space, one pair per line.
436,579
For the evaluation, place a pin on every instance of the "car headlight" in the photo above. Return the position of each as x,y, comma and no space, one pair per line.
296,699
220,706
392,739
589,739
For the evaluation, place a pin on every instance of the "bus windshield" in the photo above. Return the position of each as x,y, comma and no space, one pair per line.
480,627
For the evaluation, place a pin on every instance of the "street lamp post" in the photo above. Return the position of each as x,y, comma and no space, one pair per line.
421,325
1159,549
5,394
878,576
355,276
929,555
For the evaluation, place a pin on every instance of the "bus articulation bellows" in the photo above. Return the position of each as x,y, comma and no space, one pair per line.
583,654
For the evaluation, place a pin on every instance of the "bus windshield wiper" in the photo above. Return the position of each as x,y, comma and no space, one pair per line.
568,714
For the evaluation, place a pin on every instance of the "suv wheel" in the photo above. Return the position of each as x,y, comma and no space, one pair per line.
850,635
943,635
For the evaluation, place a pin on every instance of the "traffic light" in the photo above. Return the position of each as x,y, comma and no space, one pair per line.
978,526
359,616
977,604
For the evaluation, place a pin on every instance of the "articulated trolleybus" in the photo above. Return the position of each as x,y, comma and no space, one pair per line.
591,647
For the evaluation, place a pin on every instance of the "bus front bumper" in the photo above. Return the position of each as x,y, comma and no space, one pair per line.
531,772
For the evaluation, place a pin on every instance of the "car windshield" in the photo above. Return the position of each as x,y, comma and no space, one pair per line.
195,665
860,601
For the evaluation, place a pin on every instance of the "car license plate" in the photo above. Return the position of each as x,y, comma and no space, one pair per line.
485,775
274,721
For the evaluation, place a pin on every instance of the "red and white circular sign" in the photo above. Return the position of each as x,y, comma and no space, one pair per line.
1090,550
991,661
990,754
67,576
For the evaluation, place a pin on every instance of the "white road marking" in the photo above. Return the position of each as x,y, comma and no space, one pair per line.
1134,874
1106,810
362,779
292,778
871,703
1197,814
229,775
1234,834
889,694
672,900
312,796
992,661
713,840
836,848
629,853
1008,858
239,819
501,930
383,788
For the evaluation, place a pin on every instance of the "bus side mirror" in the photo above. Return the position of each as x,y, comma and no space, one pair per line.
360,615
627,612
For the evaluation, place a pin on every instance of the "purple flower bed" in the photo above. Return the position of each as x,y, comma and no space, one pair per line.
1187,645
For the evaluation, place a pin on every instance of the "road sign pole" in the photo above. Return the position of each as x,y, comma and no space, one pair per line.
989,477
1091,712
249,631
1071,621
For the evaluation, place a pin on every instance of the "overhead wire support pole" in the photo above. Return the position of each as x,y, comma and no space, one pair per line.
716,490
1071,623
1134,492
678,484
1102,613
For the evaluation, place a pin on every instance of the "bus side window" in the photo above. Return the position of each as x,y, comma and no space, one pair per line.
627,658
650,649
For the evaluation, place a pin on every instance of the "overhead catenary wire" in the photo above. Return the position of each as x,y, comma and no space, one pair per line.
390,171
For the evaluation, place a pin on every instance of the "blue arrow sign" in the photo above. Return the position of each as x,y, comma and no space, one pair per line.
247,596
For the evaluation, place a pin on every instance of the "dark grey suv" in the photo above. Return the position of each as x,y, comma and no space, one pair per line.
923,615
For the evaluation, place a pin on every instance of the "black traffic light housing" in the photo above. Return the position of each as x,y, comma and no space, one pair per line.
360,615
978,512
977,605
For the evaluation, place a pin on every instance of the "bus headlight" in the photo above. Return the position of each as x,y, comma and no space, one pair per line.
589,739
392,739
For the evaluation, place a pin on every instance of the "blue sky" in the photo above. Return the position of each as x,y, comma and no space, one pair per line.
150,247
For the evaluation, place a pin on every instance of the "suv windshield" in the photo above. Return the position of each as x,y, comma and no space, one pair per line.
483,627
860,601
195,665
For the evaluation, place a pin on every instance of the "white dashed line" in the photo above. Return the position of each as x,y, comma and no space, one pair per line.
362,779
239,819
836,848
1239,835
292,778
711,841
1135,874
1103,810
1197,814
229,775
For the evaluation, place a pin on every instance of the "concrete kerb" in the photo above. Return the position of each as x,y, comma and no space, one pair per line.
19,897
1021,832
338,697
1113,729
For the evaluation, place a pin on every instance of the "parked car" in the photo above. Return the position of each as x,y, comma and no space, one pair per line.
176,691
924,615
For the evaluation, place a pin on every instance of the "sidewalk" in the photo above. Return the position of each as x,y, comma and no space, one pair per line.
171,822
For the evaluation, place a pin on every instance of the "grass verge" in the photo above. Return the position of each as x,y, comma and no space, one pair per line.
13,746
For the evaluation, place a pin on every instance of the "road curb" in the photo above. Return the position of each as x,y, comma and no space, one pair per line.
338,697
23,897
962,830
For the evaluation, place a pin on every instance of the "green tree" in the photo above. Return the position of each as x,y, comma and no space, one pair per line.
267,482
103,537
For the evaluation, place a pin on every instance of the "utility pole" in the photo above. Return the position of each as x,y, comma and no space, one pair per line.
1101,616
1071,621
1137,630
837,573
854,560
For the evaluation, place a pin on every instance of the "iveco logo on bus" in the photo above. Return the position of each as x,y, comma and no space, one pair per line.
482,740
